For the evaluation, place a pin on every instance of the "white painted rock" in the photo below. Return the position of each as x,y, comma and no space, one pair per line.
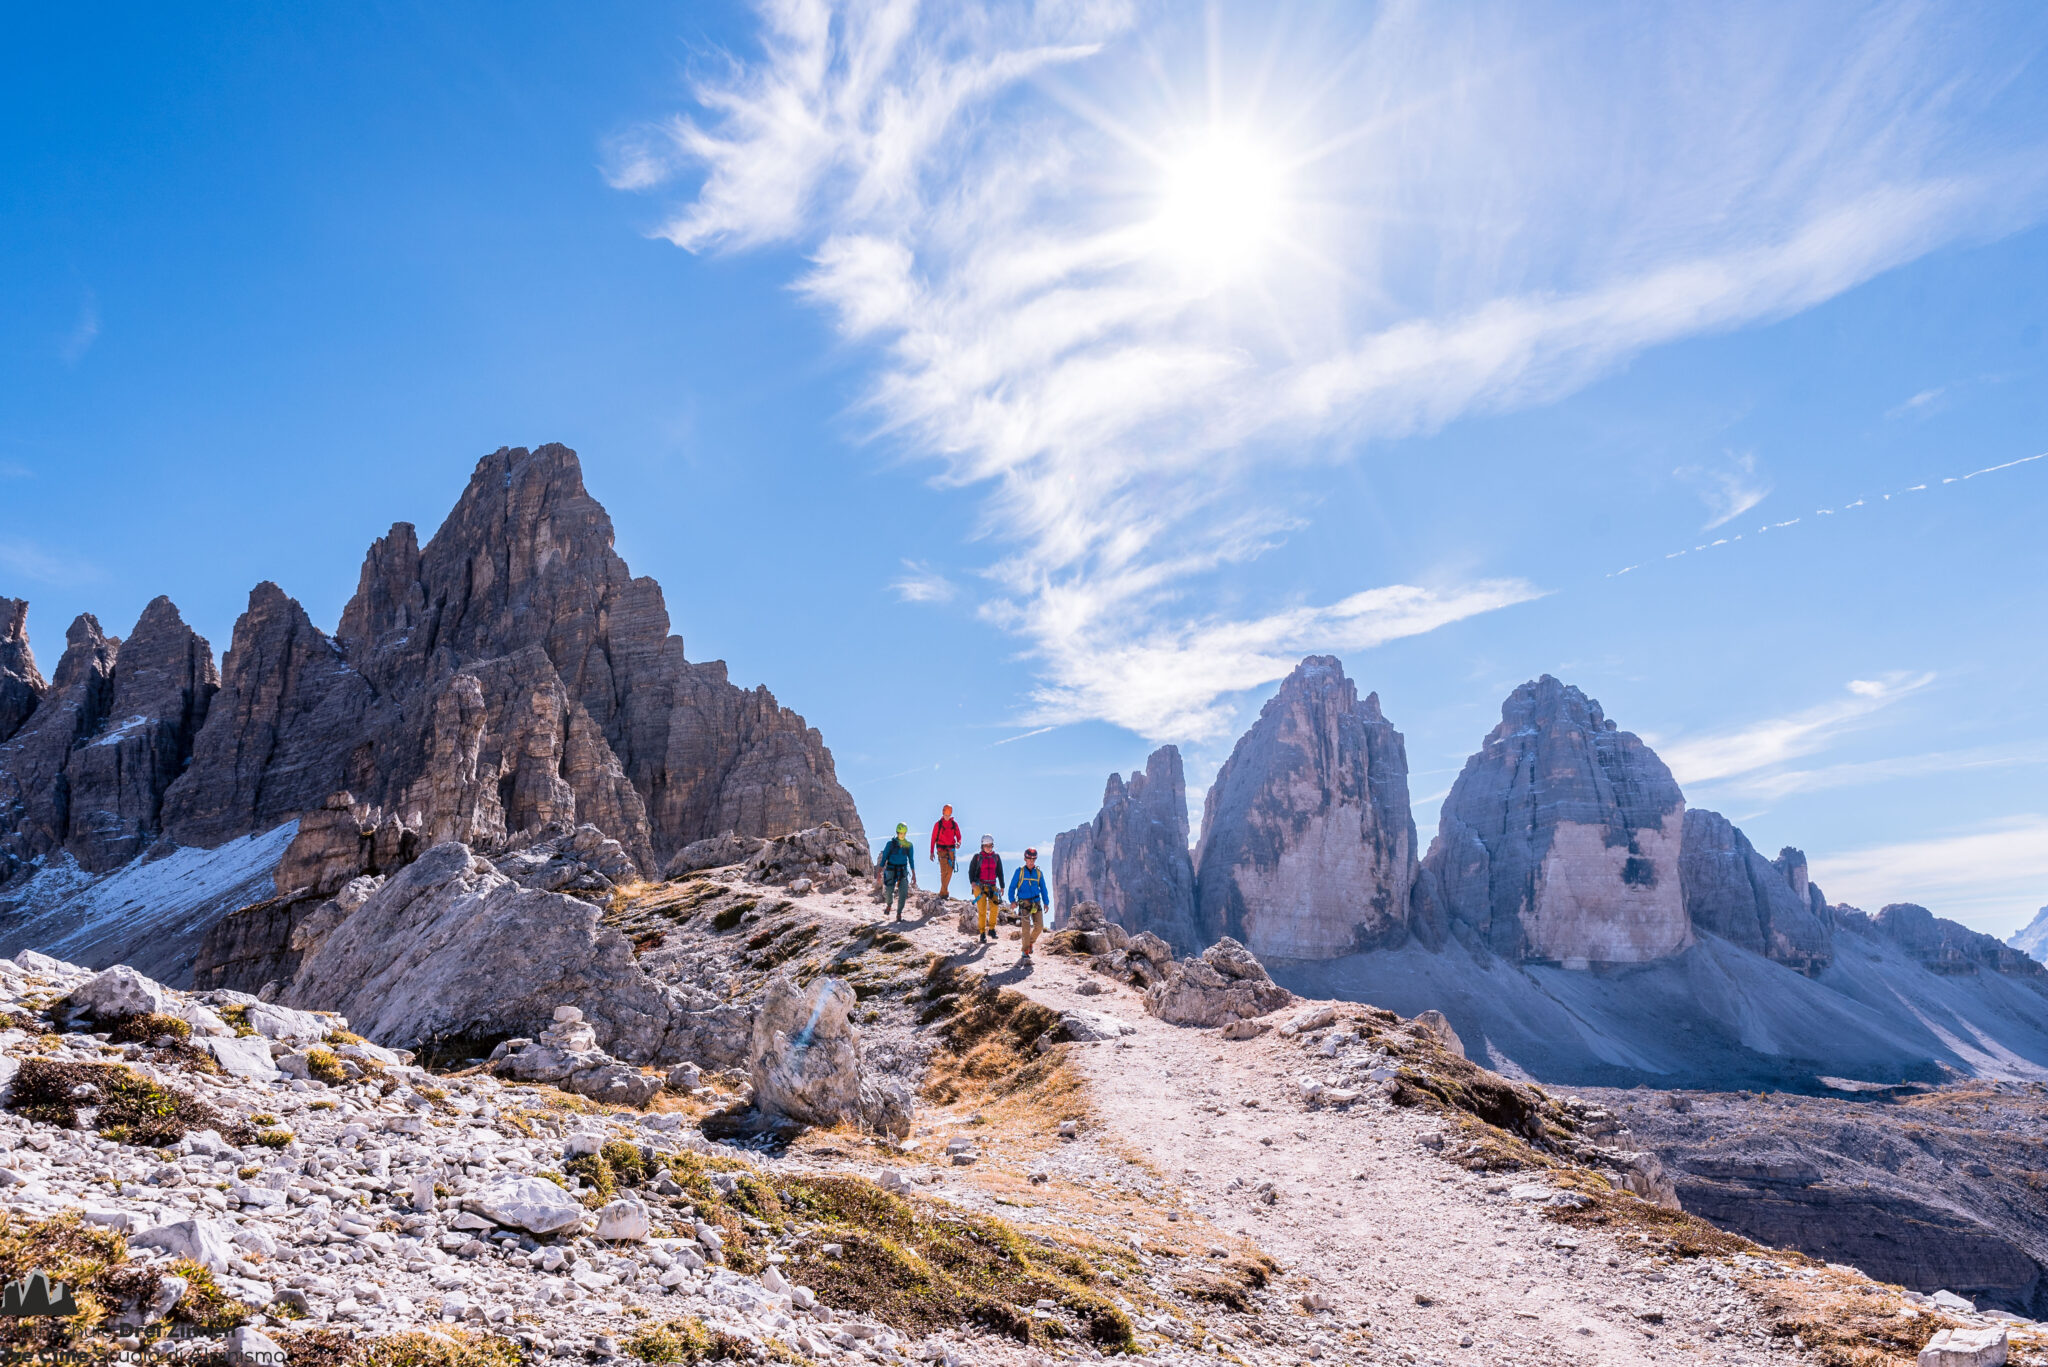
200,1240
533,1204
247,1056
1966,1348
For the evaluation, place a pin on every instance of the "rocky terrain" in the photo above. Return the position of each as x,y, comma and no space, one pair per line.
1572,919
509,675
1931,1187
1063,1173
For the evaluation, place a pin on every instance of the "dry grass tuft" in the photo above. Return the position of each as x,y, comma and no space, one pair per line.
127,1107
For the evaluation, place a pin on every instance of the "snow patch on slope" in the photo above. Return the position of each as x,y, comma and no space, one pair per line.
149,913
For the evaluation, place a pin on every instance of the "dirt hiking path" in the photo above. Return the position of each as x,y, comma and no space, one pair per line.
1405,1257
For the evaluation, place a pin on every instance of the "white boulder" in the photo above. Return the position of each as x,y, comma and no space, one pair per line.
624,1218
119,991
202,1241
1985,1347
533,1204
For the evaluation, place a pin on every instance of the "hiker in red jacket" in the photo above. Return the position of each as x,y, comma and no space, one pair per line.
985,877
945,848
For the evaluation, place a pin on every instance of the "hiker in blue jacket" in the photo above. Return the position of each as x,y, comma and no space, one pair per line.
1033,899
896,869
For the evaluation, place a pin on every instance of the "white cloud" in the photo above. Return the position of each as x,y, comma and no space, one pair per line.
1469,216
923,584
1774,741
1729,489
30,561
1992,880
1771,784
75,343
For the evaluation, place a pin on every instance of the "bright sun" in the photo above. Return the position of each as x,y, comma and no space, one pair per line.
1220,204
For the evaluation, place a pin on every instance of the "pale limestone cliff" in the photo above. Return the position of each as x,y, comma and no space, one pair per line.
1308,844
1560,840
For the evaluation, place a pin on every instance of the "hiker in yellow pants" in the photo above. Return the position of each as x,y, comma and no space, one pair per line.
985,876
1033,899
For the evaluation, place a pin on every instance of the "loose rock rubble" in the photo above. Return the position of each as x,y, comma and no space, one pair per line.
1321,1181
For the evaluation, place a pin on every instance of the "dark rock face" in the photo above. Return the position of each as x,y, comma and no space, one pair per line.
1560,840
164,683
1133,859
283,732
21,683
1308,844
1943,946
35,799
1765,907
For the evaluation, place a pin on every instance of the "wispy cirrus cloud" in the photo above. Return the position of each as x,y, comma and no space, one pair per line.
1729,489
71,348
1992,879
923,584
1400,217
1760,746
26,559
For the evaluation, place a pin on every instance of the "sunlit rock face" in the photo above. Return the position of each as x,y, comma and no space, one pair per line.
1560,841
1308,844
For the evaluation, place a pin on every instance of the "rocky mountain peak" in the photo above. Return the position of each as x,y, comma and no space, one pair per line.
21,684
2032,939
509,676
1308,843
1133,860
1560,840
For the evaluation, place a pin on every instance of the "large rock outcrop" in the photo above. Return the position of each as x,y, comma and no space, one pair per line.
1767,907
21,684
1132,860
1308,844
1225,983
510,676
1560,840
806,1063
451,954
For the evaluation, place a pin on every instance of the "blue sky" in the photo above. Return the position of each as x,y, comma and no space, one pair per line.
1013,388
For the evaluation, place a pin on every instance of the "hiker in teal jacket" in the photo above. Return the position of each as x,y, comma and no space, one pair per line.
1033,898
896,868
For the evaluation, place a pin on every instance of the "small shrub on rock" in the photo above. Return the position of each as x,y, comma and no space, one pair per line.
325,1066
146,1027
127,1107
276,1138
